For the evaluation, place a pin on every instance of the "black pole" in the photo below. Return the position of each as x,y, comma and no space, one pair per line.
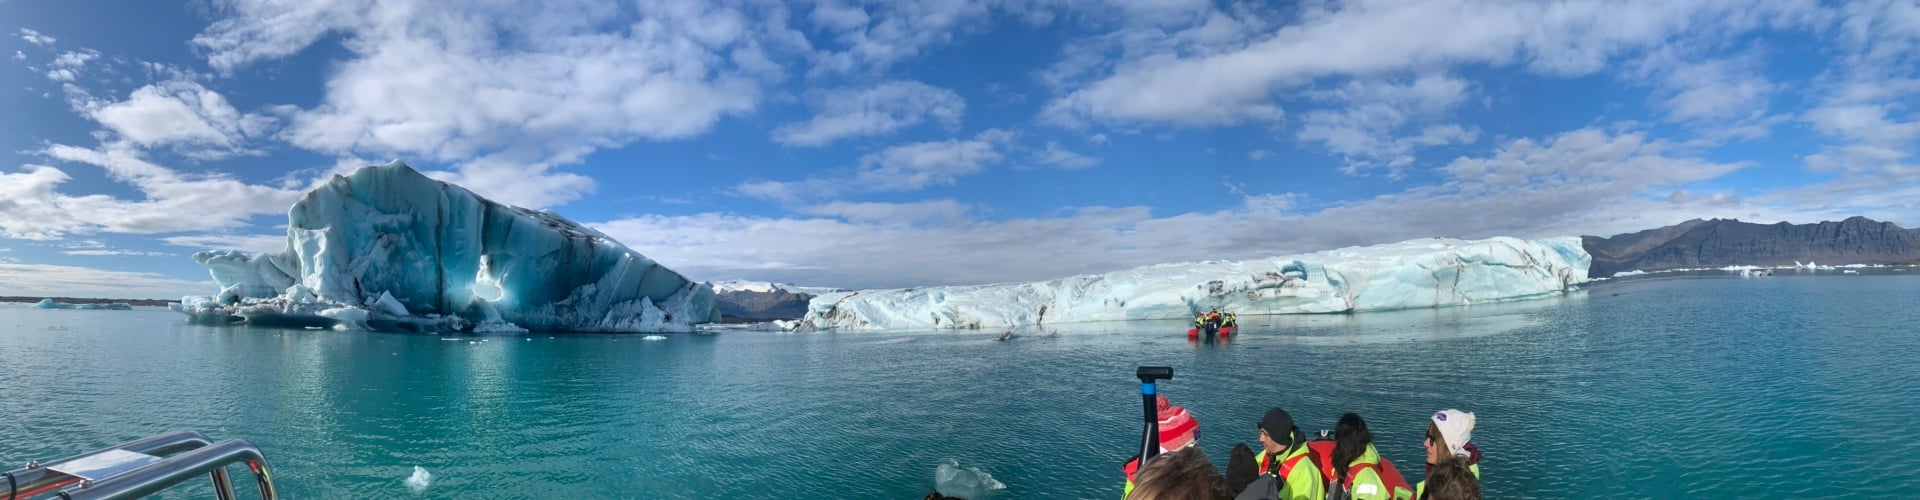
1150,434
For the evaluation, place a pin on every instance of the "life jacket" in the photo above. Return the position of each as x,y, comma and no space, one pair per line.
1286,466
1396,484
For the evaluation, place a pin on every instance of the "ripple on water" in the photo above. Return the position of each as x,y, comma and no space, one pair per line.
1682,388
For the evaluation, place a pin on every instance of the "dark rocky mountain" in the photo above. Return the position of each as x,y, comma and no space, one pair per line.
754,305
1727,242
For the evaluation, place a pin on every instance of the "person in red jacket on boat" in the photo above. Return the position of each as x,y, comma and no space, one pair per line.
1178,429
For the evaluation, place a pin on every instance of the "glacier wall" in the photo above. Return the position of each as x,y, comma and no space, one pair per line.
1411,274
387,248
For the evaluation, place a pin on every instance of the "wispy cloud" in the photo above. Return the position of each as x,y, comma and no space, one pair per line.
1054,155
51,280
1590,181
907,167
34,37
117,252
1240,79
870,111
1381,123
255,243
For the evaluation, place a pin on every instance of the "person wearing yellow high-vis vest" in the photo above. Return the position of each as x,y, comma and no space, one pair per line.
1355,465
1285,456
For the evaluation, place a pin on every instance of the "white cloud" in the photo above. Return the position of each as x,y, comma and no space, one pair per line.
1868,104
184,115
1258,154
19,56
1098,139
254,243
508,92
118,252
1559,38
31,206
1587,181
923,212
73,281
880,35
908,167
1379,121
1053,155
870,111
34,37
66,67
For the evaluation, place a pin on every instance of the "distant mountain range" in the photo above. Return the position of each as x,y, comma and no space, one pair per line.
747,301
1727,242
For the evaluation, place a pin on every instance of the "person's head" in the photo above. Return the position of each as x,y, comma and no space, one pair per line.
1186,474
1452,480
1448,433
1350,440
1277,432
1178,428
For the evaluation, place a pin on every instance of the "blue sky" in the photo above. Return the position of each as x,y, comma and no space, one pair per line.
943,142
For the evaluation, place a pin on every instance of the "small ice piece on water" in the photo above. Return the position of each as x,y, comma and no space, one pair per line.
420,479
654,337
969,482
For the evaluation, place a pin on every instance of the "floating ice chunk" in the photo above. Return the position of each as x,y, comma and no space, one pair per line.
950,479
52,304
387,305
420,479
654,337
416,254
1413,274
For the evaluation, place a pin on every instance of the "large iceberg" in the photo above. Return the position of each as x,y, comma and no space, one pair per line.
390,249
110,306
1411,274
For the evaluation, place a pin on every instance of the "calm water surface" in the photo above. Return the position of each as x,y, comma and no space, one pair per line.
1710,387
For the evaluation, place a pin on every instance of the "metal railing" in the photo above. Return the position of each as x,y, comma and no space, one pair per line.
186,454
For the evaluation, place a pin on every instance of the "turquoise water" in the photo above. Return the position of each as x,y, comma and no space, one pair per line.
1722,387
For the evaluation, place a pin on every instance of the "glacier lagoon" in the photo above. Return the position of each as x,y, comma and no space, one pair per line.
1712,386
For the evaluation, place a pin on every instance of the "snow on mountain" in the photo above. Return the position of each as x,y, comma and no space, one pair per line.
766,287
1411,274
387,248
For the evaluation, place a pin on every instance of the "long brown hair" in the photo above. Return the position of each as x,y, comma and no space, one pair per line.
1350,441
1186,474
1452,480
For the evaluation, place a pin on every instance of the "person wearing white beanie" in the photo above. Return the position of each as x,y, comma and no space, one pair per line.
1450,438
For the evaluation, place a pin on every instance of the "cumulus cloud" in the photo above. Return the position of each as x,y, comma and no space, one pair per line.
880,109
183,115
1379,123
32,206
1240,82
1588,181
535,86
